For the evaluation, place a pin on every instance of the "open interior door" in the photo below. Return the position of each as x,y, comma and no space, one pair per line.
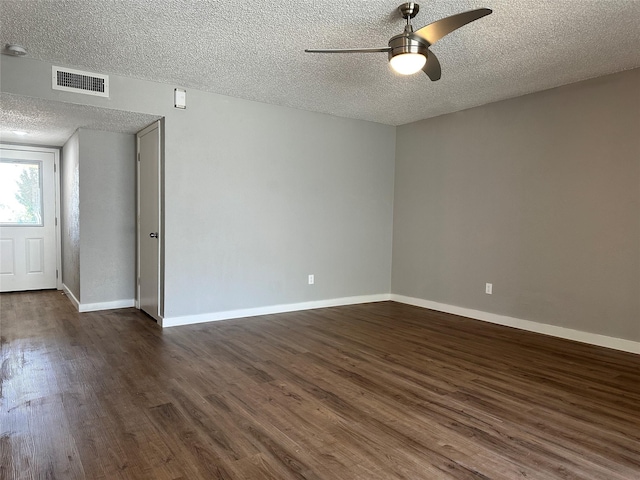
149,220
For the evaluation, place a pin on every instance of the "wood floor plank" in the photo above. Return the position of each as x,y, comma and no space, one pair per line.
372,391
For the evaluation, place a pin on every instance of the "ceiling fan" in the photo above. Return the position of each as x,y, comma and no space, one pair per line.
409,52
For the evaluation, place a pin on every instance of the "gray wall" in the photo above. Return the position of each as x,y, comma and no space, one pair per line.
98,210
539,195
70,214
256,196
107,216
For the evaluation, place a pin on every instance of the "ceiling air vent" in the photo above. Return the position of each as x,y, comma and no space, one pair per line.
80,82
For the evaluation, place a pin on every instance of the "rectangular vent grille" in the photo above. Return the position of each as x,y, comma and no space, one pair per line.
80,82
73,80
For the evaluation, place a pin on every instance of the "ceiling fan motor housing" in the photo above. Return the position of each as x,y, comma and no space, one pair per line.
406,43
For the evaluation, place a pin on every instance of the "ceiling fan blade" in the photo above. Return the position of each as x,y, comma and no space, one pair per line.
347,50
438,29
432,67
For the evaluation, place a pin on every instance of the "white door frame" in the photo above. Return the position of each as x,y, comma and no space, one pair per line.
56,187
159,125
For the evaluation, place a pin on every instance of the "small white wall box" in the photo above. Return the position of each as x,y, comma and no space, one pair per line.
180,98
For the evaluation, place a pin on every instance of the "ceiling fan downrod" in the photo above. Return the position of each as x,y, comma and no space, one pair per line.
408,11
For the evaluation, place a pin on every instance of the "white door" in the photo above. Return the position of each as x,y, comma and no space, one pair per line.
149,228
28,218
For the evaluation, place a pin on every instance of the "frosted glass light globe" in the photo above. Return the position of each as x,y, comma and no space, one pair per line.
408,63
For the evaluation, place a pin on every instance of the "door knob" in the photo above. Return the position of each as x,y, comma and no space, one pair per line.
154,235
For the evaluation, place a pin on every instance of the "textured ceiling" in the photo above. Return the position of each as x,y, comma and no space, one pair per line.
52,123
255,50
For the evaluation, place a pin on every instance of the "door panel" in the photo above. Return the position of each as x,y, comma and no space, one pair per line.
28,233
7,255
35,254
149,228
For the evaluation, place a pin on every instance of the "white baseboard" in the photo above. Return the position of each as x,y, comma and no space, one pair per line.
71,296
253,312
93,307
561,332
555,331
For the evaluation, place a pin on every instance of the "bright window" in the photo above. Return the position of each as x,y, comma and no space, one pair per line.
20,193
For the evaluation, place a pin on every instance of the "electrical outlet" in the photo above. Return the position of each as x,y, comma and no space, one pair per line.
488,289
312,279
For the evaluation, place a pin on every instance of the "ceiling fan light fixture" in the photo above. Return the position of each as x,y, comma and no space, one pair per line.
409,51
408,63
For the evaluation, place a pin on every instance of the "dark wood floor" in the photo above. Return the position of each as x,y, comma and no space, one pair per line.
375,391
